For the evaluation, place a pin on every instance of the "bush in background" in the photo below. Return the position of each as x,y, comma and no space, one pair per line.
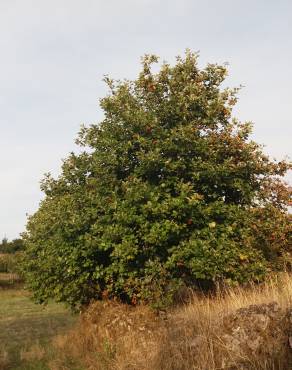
10,263
12,246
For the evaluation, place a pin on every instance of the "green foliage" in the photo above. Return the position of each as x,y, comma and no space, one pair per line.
10,263
10,255
168,191
13,246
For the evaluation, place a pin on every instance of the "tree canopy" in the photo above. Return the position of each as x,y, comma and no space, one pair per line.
168,191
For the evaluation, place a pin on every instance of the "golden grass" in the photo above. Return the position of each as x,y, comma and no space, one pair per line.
35,352
4,359
112,336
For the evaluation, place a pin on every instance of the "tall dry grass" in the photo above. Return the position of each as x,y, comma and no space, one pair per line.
4,358
112,336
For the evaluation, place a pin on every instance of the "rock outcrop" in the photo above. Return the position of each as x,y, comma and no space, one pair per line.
257,332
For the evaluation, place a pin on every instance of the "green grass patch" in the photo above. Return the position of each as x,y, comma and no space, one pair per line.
26,327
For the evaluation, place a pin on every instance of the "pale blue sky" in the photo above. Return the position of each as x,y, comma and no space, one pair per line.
54,54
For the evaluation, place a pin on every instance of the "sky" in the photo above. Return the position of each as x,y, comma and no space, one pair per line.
54,54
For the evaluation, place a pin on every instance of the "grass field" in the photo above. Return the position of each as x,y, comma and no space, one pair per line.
238,328
26,328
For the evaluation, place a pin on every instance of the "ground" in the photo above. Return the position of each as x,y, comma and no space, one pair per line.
26,327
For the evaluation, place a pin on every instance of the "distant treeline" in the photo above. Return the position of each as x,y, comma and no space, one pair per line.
16,245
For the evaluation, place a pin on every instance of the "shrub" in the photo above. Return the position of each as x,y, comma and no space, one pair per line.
16,245
9,263
168,191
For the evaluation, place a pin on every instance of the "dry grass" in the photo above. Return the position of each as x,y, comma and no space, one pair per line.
35,352
9,276
4,359
112,336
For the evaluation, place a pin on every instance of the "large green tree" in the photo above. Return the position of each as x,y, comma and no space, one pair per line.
169,190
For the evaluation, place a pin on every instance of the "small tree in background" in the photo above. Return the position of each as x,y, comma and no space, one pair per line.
11,255
169,191
13,246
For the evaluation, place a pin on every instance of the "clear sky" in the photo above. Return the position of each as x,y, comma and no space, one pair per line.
54,53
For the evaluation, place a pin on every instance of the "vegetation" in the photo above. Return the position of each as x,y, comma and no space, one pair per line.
26,328
114,336
169,197
169,191
10,256
11,263
16,245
